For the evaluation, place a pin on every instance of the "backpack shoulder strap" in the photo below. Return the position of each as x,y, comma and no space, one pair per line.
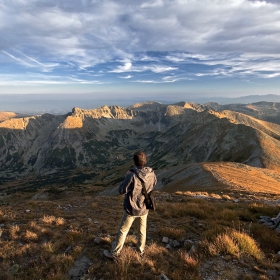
142,182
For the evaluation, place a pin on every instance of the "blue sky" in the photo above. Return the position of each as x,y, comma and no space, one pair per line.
161,49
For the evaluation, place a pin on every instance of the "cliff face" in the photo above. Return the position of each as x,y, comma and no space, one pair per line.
106,138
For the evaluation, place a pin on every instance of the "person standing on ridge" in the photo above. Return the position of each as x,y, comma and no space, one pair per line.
134,206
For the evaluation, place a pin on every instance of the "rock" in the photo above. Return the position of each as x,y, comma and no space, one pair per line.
80,268
165,240
267,218
41,195
97,240
269,224
188,242
192,250
168,247
175,243
67,250
276,220
27,211
163,277
2,225
264,221
201,196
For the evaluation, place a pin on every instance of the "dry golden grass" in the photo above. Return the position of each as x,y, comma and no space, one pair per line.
48,219
29,235
226,177
235,243
249,179
190,262
48,247
246,244
47,241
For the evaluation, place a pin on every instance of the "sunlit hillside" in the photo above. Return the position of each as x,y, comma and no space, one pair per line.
222,176
6,115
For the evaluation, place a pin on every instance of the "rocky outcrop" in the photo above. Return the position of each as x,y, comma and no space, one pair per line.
271,222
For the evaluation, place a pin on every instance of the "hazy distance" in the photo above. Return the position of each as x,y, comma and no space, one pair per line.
62,103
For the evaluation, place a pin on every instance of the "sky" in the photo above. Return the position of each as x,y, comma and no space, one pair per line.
161,49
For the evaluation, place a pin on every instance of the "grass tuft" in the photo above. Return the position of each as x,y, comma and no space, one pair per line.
29,235
235,243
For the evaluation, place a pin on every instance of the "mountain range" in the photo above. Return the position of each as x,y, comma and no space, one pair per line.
96,145
59,104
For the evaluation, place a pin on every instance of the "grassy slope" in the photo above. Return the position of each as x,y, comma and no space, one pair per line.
35,244
226,177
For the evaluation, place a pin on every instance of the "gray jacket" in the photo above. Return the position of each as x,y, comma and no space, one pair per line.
132,188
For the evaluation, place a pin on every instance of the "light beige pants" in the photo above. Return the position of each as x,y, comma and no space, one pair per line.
125,225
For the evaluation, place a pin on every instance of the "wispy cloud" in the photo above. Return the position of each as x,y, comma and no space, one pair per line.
30,62
129,67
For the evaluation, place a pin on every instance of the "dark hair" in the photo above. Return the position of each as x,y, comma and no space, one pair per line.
140,159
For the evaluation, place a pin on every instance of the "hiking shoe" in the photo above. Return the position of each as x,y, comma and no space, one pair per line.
109,255
141,254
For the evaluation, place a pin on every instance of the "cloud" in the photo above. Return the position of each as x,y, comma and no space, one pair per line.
161,68
129,67
43,79
191,26
30,62
170,40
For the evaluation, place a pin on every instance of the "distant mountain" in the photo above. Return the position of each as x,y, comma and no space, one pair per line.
238,100
59,104
100,142
268,111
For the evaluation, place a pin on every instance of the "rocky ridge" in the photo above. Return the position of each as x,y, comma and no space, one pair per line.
94,140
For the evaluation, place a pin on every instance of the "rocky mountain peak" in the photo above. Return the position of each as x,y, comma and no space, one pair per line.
149,105
190,105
